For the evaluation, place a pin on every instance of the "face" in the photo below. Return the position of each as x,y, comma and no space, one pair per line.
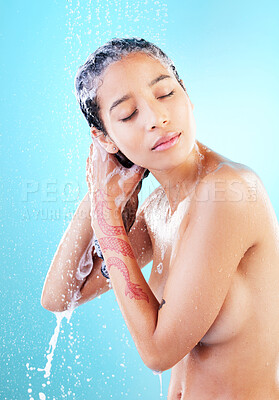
142,102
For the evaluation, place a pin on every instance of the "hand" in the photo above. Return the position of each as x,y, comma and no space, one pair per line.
116,184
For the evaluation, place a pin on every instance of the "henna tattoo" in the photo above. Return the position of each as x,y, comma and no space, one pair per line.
162,303
116,244
107,229
132,289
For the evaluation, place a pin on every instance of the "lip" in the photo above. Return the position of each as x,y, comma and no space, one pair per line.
167,140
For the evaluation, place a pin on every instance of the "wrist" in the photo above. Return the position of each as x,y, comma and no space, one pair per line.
108,223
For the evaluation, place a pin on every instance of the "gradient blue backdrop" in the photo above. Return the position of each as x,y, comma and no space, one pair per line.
227,54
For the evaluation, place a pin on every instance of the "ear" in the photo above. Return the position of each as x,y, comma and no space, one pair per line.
104,140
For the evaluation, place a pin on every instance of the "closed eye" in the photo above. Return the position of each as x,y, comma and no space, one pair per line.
130,116
167,95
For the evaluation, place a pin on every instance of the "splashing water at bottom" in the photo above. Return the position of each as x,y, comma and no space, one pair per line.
53,340
50,353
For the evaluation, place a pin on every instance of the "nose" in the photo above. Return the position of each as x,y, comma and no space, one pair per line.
157,117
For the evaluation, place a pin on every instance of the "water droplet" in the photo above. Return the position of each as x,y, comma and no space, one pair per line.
160,268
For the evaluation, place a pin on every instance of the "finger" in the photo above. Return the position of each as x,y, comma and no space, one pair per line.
137,170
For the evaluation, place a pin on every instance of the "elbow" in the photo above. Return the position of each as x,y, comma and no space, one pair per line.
161,356
157,361
52,304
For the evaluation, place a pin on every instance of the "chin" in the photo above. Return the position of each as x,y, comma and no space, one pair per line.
187,143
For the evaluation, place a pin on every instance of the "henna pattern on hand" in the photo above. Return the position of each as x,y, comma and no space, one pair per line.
132,289
107,229
116,244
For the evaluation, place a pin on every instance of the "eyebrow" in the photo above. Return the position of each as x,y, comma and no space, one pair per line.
128,96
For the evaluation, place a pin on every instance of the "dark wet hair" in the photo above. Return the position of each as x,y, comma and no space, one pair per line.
87,79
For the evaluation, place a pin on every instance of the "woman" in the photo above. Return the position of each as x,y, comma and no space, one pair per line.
210,309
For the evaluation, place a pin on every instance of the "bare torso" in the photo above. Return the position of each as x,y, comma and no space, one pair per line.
237,357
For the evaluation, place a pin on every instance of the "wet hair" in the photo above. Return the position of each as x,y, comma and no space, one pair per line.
87,80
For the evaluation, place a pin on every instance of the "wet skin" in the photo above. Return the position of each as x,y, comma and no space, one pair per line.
237,357
223,314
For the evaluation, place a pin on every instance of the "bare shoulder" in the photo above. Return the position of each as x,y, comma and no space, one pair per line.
231,180
219,167
233,185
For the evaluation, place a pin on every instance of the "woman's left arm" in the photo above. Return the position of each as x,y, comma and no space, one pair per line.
199,278
110,187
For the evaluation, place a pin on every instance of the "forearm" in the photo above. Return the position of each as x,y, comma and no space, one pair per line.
95,284
72,261
136,300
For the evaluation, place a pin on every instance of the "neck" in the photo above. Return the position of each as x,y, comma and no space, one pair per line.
180,182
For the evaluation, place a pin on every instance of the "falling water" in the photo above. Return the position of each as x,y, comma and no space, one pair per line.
53,341
90,24
49,354
159,373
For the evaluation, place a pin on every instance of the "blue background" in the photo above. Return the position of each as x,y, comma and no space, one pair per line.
226,53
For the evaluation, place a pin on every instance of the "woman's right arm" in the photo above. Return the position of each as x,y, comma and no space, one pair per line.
62,282
71,276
